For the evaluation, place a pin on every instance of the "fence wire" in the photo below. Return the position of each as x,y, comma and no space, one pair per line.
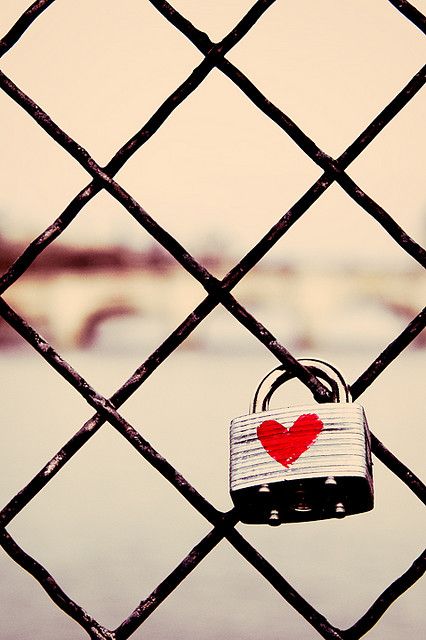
218,293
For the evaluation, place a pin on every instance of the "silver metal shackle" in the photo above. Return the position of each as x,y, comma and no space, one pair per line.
327,372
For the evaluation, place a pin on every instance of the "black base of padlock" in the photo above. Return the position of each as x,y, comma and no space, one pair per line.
303,500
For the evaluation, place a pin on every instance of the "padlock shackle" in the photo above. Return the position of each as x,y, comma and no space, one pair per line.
333,377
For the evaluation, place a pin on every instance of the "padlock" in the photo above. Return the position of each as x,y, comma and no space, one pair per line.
301,462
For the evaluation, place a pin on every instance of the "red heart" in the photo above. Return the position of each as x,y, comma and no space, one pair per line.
286,445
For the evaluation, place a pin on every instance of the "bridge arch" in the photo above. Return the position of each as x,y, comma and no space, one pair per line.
89,330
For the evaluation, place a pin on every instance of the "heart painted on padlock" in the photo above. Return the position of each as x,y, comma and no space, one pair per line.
287,445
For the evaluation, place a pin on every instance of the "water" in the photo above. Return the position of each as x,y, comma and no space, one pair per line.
109,528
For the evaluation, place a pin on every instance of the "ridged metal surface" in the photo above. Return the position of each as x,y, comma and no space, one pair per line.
341,449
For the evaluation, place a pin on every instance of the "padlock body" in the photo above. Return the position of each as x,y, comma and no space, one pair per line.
301,462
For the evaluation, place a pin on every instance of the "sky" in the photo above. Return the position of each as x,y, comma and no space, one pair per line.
218,174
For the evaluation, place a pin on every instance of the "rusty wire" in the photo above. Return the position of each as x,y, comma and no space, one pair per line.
218,292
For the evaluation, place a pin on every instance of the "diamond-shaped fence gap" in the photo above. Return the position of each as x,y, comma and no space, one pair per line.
34,423
104,517
214,159
129,316
391,169
93,84
358,305
249,607
332,88
38,177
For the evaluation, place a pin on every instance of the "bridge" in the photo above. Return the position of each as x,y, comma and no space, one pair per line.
69,307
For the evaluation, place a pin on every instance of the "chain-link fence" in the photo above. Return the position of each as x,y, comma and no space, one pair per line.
218,293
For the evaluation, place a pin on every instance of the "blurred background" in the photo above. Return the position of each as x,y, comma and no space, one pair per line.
217,175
